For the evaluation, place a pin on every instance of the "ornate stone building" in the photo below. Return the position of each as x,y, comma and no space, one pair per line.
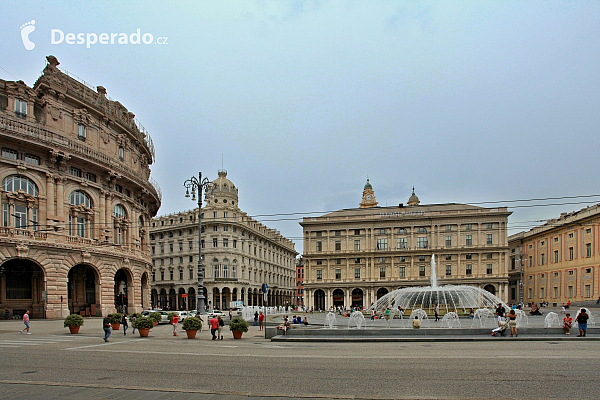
352,257
240,254
560,258
76,199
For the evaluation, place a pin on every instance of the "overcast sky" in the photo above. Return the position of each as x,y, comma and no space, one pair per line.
468,101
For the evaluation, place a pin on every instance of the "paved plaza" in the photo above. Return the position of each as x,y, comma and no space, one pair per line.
52,363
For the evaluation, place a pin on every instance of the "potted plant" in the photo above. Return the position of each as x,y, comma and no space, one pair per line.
143,325
192,325
156,317
237,326
74,322
115,320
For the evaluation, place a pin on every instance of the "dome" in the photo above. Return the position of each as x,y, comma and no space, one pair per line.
368,185
413,200
224,190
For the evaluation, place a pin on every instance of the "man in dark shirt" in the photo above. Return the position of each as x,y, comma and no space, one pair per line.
106,327
500,313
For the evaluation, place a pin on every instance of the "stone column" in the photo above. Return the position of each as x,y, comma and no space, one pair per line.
50,194
60,197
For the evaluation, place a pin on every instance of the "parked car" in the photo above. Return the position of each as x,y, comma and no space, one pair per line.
163,314
215,313
183,315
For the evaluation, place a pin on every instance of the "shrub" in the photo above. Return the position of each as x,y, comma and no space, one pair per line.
115,318
155,316
144,323
192,324
238,324
73,320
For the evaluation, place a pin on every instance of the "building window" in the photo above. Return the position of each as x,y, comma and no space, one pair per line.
319,274
81,133
319,246
338,233
469,269
215,270
543,258
542,293
319,233
402,231
338,273
588,291
319,262
191,275
588,249
421,270
171,247
555,256
469,240
20,109
468,227
448,228
338,261
448,241
402,271
469,256
489,269
381,260
75,172
338,245
191,259
488,225
448,257
225,242
382,272
78,219
570,289
215,242
8,153
448,270
357,273
357,261
356,232
422,242
382,244
555,289
489,238
33,160
402,259
121,153
571,253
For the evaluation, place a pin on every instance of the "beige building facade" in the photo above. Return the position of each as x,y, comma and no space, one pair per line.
352,257
240,254
561,258
76,199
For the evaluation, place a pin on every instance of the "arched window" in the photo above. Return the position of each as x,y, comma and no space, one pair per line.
22,192
81,213
119,211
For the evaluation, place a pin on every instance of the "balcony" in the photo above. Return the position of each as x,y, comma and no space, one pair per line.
39,134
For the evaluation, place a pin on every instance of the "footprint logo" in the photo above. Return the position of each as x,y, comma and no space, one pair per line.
26,29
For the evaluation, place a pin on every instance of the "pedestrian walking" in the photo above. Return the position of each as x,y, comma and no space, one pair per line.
230,314
256,318
372,314
26,322
582,319
436,311
220,328
125,323
261,321
133,319
175,323
106,327
567,324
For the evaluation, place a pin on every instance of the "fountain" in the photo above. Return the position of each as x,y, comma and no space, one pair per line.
330,321
484,316
357,319
522,319
457,298
451,320
551,320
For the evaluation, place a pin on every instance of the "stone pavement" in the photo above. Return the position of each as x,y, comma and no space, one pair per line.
49,391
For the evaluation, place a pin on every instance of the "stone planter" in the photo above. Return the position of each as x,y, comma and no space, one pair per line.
115,326
144,332
237,334
74,329
191,334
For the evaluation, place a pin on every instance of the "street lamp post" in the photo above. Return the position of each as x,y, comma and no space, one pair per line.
200,185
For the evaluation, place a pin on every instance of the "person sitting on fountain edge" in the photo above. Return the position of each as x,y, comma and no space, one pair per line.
416,322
